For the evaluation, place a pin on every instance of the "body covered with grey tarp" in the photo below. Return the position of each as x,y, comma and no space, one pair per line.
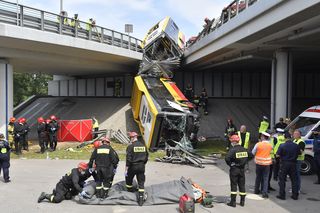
158,194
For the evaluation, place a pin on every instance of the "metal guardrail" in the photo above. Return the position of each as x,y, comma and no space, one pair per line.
228,13
24,16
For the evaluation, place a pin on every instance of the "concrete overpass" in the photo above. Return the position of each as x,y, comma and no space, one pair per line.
273,46
33,40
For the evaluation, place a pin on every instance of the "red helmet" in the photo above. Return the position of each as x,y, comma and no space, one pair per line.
97,144
40,120
105,139
132,134
48,121
22,120
12,119
234,138
53,117
83,166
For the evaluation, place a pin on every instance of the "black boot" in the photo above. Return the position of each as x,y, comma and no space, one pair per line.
43,196
104,194
140,198
242,200
232,202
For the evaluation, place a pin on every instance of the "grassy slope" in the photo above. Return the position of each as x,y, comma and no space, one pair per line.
204,148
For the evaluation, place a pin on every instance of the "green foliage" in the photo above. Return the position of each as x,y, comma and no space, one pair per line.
28,84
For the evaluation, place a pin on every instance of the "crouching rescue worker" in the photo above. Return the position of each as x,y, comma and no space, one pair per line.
136,159
42,134
105,159
237,158
4,158
70,185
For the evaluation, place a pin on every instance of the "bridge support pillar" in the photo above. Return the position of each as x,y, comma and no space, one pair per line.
281,85
6,95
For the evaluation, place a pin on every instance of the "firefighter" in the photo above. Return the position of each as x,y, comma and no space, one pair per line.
18,136
117,88
95,126
237,158
230,130
47,143
70,185
297,139
196,102
188,92
4,158
262,151
26,130
204,100
53,128
276,142
264,125
10,131
105,159
42,134
288,154
136,159
316,150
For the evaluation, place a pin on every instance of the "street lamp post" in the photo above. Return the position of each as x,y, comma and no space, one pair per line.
61,6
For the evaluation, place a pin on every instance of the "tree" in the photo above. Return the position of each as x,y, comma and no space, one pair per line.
28,84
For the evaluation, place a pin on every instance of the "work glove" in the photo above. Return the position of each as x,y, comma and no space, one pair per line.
91,170
84,194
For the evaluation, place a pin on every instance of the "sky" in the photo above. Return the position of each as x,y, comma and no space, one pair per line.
143,14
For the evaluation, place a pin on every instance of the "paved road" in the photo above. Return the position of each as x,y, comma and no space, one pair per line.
30,177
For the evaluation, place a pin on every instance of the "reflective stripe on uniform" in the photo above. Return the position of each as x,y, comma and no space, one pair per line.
129,186
103,151
99,187
139,149
242,193
4,150
234,193
51,198
141,190
105,188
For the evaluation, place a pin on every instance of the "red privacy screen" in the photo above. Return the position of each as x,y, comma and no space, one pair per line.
75,130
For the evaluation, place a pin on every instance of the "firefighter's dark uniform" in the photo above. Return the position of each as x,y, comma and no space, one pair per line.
42,136
105,159
189,93
53,128
237,158
288,153
5,159
26,130
70,185
18,137
136,159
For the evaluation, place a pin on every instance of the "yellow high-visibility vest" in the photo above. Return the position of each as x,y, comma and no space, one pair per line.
297,141
246,141
280,140
264,125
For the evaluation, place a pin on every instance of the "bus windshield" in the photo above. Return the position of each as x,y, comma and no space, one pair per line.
304,124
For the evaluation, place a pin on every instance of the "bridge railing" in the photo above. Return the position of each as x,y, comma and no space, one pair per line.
228,13
24,16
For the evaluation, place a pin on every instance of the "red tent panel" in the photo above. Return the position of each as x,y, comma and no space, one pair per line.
75,130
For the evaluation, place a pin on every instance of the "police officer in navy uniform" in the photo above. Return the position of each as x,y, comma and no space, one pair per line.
4,158
237,158
288,154
316,150
136,159
105,159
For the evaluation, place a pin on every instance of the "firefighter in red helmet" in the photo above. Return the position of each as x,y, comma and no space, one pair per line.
53,128
42,134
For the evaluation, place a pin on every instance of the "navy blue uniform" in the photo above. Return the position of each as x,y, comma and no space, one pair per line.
5,159
316,150
288,153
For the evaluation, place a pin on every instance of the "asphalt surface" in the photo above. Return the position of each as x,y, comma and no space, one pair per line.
31,177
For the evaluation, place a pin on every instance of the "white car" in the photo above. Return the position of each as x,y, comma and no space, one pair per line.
306,122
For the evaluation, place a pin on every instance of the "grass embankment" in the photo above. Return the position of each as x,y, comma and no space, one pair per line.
69,151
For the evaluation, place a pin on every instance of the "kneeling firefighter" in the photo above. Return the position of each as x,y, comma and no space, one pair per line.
237,158
70,185
105,159
136,159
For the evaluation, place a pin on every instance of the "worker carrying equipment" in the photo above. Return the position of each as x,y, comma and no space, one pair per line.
105,159
136,159
237,158
70,185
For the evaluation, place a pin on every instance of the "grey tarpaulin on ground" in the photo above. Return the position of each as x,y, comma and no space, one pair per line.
158,194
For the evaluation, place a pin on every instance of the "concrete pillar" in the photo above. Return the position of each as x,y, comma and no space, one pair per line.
6,95
281,85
